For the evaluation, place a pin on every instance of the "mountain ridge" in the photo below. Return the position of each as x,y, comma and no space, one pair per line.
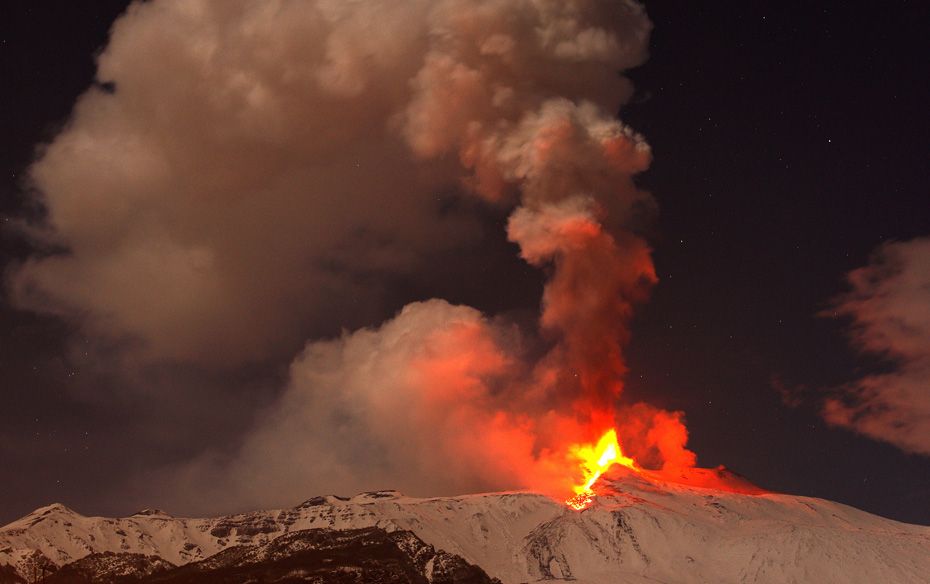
639,529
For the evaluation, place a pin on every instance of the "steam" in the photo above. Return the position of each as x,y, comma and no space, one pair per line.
258,163
889,303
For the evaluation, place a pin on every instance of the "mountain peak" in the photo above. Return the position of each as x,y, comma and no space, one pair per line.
385,494
150,513
54,508
639,528
372,495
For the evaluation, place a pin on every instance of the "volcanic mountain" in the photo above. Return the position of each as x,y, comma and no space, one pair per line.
636,530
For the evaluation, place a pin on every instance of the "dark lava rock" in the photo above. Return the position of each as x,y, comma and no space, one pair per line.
355,556
108,568
9,576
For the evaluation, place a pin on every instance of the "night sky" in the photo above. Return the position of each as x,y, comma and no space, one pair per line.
790,140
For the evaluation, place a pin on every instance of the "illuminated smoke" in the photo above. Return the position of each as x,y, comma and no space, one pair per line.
889,304
249,147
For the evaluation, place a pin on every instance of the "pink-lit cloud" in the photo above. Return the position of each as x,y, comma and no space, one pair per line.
889,304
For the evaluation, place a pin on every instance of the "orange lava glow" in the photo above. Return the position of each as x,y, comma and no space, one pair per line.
594,460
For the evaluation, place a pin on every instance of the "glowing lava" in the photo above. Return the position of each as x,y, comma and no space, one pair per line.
594,460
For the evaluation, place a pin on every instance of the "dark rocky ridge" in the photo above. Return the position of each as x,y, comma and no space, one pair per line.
109,568
369,555
9,576
353,556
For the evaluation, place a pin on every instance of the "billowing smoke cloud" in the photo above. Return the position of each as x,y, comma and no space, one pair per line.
403,406
258,162
889,303
437,400
252,168
242,182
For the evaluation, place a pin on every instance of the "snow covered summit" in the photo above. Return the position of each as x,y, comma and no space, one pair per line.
637,530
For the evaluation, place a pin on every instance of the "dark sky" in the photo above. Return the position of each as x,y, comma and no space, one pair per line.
790,140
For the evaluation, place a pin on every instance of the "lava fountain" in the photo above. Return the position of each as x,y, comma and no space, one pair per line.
594,460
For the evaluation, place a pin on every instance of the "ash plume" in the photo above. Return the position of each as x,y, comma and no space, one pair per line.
248,148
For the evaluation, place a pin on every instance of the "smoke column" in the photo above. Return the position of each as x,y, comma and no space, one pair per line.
441,397
294,124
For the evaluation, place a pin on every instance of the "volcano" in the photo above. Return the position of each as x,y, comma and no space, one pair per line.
636,529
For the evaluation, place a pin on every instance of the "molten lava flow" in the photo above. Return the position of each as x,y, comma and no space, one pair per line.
594,460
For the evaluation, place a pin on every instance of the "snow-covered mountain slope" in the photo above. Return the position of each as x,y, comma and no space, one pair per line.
636,531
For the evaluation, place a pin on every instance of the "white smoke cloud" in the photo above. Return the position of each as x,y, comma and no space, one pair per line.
252,167
435,401
260,163
889,303
402,406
